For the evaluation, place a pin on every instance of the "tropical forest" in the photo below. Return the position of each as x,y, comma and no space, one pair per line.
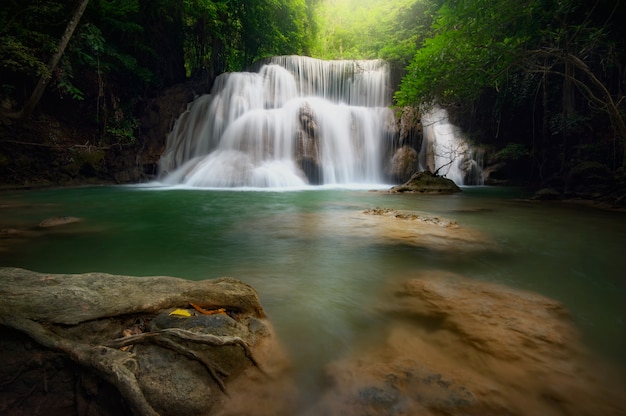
306,207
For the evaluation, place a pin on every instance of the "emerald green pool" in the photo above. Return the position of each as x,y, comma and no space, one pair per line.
316,272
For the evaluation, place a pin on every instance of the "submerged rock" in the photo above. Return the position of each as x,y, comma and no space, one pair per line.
58,221
107,345
427,182
410,216
453,346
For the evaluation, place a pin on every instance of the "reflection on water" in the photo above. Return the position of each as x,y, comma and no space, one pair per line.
320,263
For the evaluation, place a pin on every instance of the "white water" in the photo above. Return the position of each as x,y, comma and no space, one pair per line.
297,121
446,151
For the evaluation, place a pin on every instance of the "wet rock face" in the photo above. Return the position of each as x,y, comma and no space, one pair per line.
453,346
403,164
307,156
410,127
149,345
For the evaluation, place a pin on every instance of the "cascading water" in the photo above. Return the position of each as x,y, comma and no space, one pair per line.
296,121
445,150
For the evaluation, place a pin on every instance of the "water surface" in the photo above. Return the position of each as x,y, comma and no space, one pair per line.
317,267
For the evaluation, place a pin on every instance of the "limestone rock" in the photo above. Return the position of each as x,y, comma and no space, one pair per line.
410,127
57,221
74,298
453,346
97,330
427,182
403,164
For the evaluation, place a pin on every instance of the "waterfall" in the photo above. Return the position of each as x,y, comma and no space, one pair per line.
295,121
445,150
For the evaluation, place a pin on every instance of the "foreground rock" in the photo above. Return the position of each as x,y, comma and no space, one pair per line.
427,182
453,346
113,345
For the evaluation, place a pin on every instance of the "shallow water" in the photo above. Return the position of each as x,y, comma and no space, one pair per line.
317,265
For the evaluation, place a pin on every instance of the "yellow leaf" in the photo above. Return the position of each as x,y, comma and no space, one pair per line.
180,312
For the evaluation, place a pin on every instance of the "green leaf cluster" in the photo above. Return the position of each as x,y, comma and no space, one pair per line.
476,45
28,34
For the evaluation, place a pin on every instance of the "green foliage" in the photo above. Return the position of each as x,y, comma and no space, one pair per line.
29,33
65,86
475,45
481,45
512,152
89,44
123,49
230,35
545,73
370,29
122,130
16,57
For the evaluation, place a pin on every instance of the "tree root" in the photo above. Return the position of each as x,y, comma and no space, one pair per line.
107,362
118,367
162,338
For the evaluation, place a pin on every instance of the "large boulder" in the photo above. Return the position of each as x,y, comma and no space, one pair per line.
427,182
403,164
111,345
456,346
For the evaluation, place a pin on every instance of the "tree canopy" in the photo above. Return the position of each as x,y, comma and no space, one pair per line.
122,49
546,74
370,29
531,78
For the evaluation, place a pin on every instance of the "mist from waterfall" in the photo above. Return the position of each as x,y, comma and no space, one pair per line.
296,121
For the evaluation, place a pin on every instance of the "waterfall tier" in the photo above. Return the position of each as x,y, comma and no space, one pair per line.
446,152
293,122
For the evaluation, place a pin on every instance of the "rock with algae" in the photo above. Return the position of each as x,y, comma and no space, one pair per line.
427,183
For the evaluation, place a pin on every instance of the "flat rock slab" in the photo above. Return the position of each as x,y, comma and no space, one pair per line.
74,298
456,346
58,221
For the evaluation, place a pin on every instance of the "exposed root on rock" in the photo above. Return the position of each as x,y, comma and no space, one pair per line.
109,363
163,338
118,366
113,343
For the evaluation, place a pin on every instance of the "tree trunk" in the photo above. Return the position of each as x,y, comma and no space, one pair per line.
32,102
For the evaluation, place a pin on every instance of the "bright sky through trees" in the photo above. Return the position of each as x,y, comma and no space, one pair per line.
367,29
